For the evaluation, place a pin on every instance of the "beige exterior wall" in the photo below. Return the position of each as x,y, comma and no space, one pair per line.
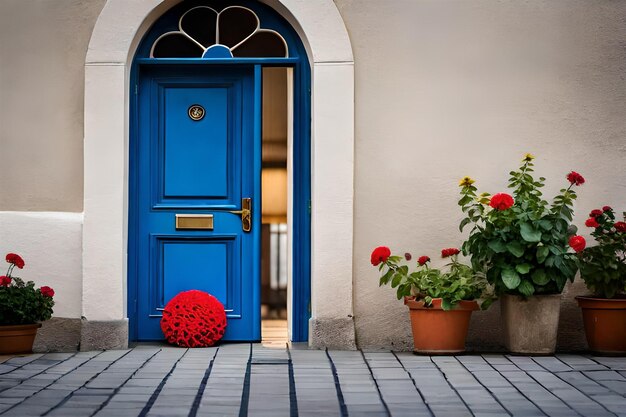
446,89
443,89
42,57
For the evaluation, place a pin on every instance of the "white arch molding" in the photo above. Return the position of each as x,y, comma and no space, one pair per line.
119,28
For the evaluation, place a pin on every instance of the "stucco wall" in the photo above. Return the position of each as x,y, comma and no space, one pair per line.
446,89
443,90
51,245
42,57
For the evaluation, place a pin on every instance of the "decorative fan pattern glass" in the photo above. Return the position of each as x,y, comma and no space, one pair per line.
234,32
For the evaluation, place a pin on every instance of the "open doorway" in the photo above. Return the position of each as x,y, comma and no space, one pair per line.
275,233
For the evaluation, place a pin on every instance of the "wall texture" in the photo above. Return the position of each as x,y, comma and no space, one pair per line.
446,89
42,57
51,245
443,90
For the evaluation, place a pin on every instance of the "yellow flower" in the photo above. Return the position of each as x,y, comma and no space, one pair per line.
528,157
466,182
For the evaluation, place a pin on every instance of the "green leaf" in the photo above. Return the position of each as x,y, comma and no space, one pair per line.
566,269
402,291
464,223
556,250
522,268
446,304
510,278
545,225
497,246
397,278
486,304
466,199
542,253
385,278
529,233
540,277
515,248
526,288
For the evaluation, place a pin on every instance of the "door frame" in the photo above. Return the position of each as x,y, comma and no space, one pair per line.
300,178
118,31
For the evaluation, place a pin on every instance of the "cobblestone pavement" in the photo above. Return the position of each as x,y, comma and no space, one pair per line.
244,379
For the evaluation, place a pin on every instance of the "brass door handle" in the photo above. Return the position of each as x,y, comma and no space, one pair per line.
245,213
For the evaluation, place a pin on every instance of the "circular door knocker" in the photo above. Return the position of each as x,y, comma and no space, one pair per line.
196,112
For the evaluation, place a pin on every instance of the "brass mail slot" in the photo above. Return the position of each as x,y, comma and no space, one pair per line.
194,221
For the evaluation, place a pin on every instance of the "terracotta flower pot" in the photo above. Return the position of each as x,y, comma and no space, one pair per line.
531,324
605,324
18,338
436,331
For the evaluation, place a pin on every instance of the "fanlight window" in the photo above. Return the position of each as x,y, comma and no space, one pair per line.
234,32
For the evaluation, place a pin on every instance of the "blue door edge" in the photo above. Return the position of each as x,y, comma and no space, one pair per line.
301,211
256,204
301,174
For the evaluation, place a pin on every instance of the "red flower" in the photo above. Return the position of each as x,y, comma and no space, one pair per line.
449,252
47,291
620,226
407,256
596,213
577,243
575,178
606,208
193,319
501,201
422,260
15,259
5,281
380,254
592,222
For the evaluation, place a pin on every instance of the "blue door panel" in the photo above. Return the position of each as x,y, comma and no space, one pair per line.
198,167
184,152
200,265
195,149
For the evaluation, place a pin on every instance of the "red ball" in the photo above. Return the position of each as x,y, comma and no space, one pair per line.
193,319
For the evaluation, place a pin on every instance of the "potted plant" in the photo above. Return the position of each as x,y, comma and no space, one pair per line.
520,241
22,308
603,268
440,301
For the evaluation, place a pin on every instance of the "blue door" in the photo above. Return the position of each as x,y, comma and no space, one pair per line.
197,186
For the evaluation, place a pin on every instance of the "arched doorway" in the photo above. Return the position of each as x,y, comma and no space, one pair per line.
196,162
108,97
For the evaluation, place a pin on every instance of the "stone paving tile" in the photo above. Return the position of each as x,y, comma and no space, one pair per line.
352,372
231,379
314,383
183,383
438,395
269,382
569,394
35,395
525,363
614,363
547,402
606,375
552,364
581,363
223,391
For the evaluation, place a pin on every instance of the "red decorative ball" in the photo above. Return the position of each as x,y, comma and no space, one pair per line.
193,319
